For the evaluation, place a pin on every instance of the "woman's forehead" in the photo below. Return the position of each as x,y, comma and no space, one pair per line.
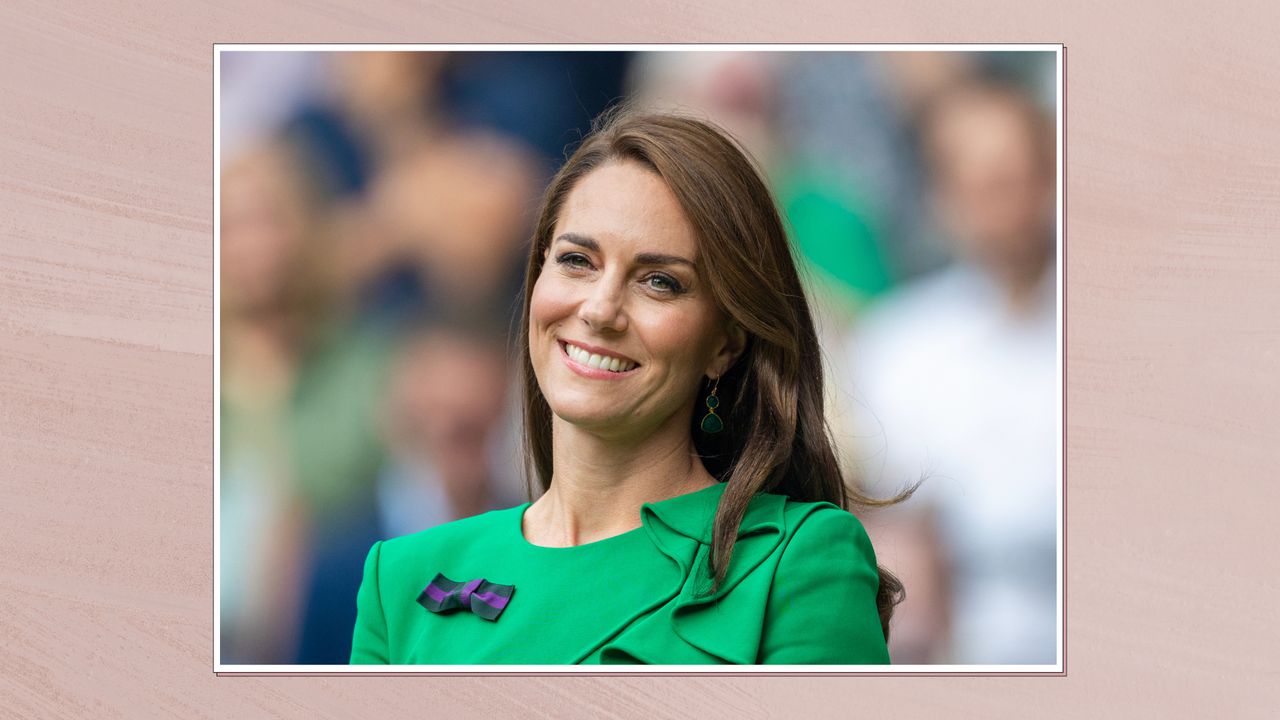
625,205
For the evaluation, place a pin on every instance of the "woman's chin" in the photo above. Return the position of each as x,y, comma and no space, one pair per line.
591,418
602,417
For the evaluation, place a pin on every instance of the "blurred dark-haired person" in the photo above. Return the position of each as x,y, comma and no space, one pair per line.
691,508
955,379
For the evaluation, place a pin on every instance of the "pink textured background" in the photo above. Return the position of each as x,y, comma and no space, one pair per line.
106,397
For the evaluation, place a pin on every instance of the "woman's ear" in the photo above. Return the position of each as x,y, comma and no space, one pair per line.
735,343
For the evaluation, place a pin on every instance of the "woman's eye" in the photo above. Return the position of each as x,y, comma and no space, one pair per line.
664,283
574,260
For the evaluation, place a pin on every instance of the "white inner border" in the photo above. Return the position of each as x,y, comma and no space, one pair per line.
220,48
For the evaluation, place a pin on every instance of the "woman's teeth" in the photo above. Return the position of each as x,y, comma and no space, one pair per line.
599,362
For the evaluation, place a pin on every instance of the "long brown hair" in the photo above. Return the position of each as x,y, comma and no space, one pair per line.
776,438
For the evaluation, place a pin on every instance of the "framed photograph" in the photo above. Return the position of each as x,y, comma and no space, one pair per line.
639,358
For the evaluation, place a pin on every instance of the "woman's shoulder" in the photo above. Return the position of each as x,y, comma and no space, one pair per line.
468,532
820,520
798,569
767,514
825,527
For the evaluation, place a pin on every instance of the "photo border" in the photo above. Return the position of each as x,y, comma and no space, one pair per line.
1057,669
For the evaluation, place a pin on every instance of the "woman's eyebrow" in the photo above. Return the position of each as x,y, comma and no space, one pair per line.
580,240
641,258
660,259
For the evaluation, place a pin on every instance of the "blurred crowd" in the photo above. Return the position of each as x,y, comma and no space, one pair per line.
375,209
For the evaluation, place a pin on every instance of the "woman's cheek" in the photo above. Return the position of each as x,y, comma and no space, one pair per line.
547,301
678,331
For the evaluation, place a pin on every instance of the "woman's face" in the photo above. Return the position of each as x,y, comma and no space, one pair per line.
622,330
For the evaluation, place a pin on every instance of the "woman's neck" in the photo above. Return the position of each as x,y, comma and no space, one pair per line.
600,483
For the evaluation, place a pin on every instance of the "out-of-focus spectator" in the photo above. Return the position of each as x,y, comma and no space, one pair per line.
373,107
390,100
449,420
992,151
456,213
847,120
450,213
299,385
955,375
377,108
736,90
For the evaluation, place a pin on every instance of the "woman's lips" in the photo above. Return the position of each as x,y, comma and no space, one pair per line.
585,370
593,349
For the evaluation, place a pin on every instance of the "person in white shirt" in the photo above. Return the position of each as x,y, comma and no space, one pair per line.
954,380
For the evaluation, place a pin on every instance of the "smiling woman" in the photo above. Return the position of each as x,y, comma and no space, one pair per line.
620,286
660,292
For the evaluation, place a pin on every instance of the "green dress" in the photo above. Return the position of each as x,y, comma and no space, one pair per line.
800,589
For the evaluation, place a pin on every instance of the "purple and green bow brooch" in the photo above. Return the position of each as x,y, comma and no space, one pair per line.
481,597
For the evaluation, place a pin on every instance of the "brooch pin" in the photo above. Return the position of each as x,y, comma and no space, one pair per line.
483,598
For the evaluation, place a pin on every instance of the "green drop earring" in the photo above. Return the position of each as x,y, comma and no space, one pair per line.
711,423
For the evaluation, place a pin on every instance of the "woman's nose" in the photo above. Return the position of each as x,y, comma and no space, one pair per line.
603,309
